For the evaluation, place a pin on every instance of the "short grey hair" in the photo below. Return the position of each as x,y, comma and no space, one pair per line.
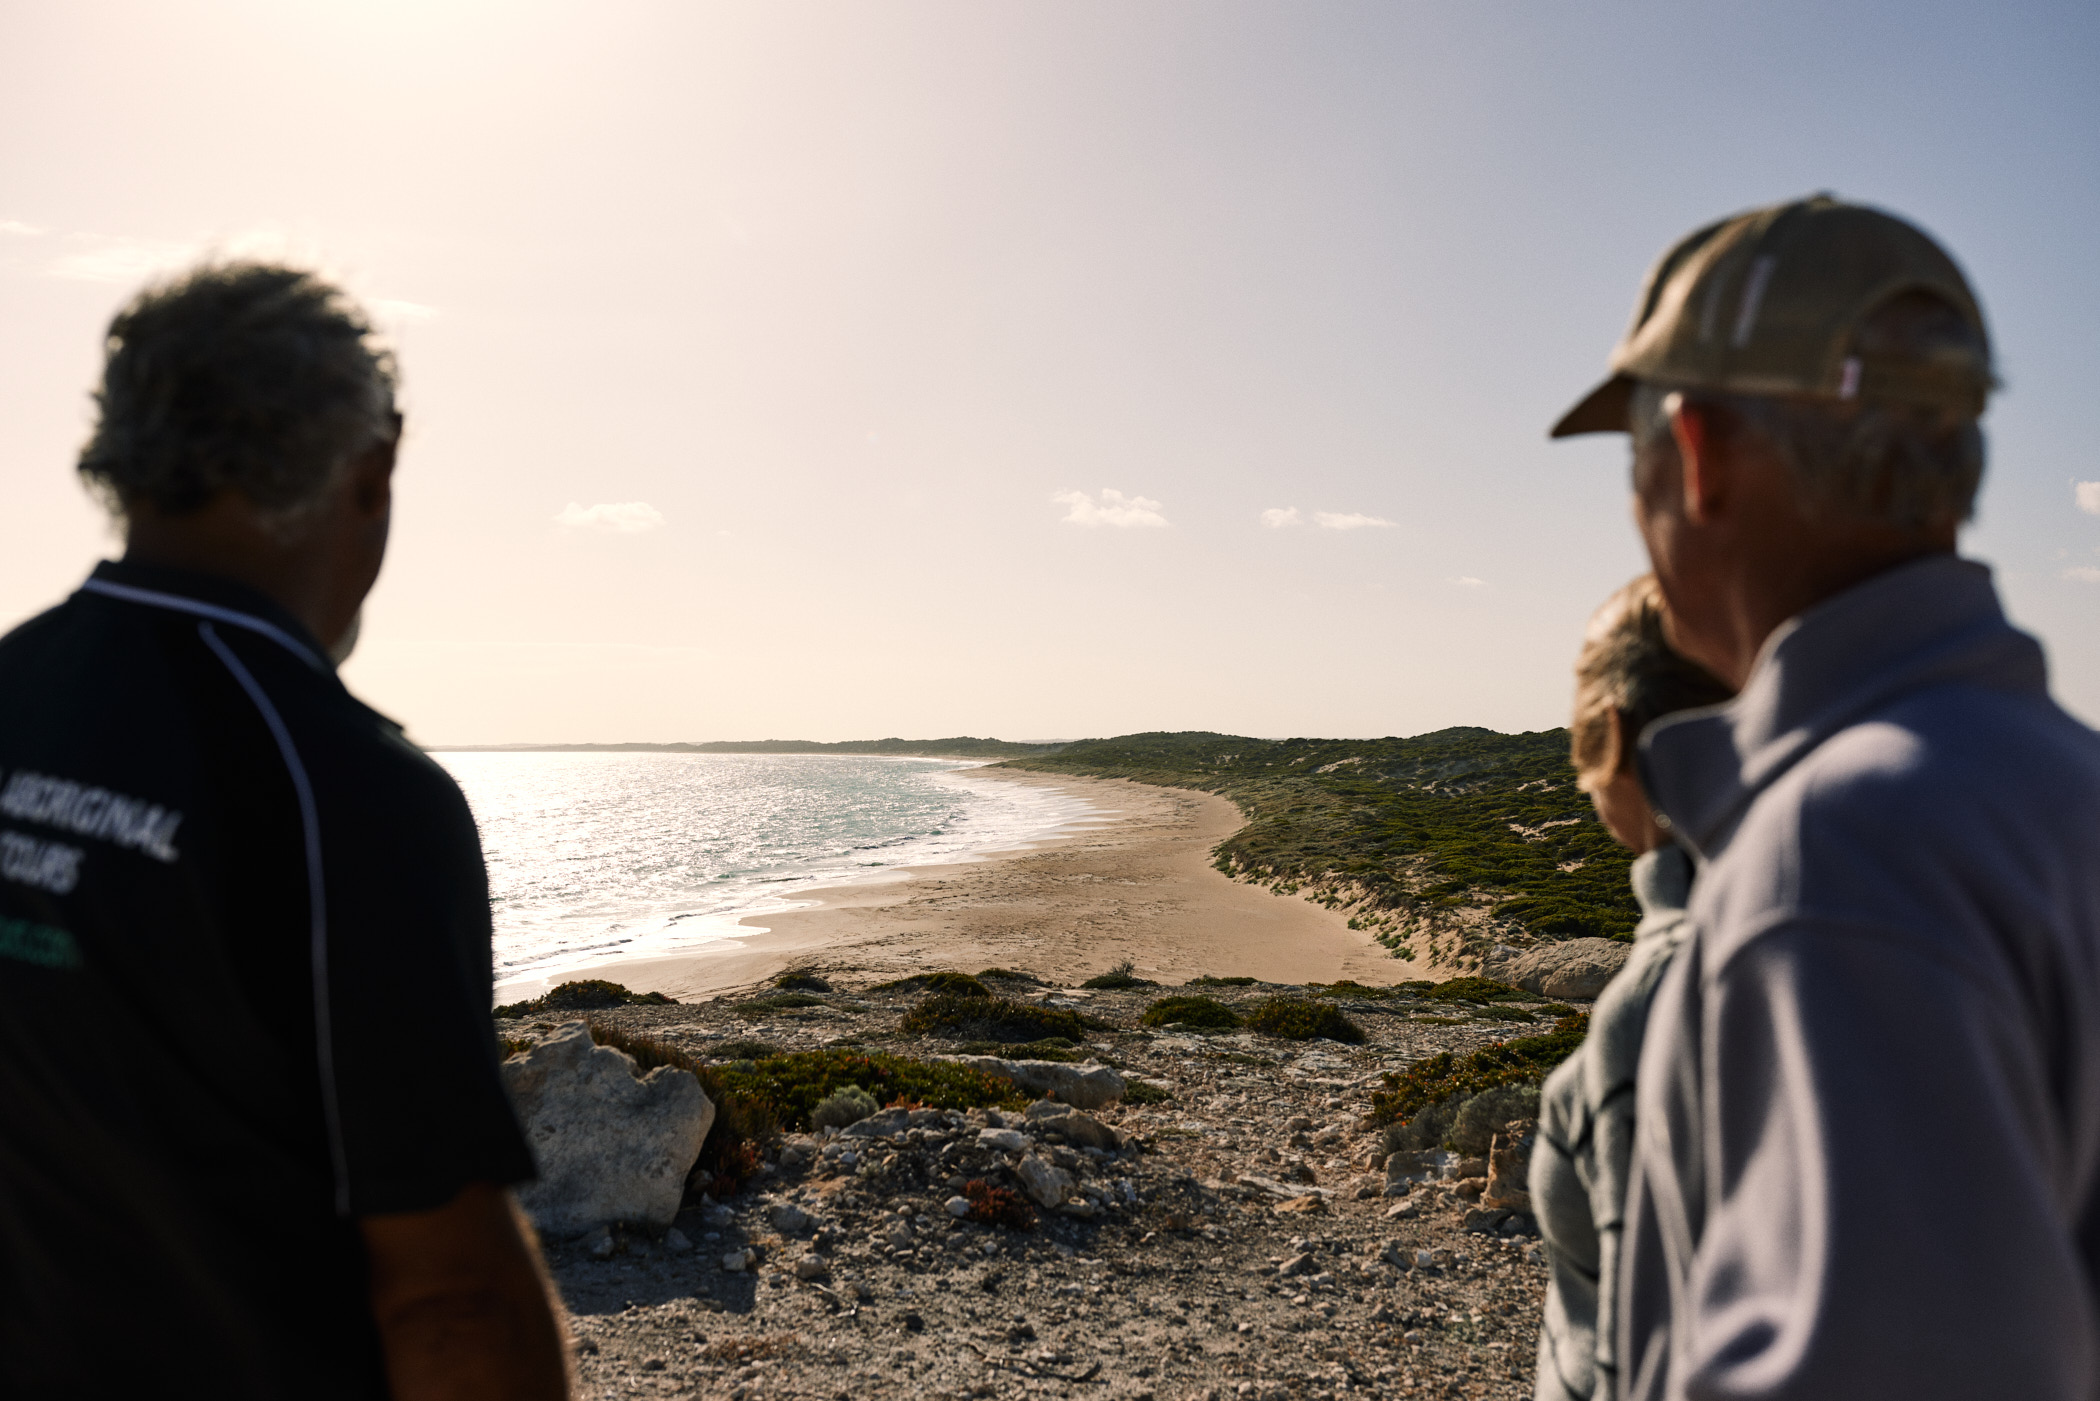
248,377
1892,464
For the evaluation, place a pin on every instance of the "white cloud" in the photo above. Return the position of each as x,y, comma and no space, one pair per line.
1467,581
1114,508
17,227
1336,520
2088,494
618,517
2083,574
1279,517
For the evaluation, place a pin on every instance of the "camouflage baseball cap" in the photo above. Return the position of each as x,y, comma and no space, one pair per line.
1769,302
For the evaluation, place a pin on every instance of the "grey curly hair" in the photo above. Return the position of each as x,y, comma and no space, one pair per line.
248,377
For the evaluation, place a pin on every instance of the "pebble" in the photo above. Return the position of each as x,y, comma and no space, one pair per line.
675,1241
958,1206
1002,1140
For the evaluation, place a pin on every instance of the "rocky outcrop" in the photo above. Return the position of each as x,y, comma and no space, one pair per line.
1570,968
1081,1086
611,1147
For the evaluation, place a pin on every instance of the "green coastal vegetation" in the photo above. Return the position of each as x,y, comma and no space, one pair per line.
1442,845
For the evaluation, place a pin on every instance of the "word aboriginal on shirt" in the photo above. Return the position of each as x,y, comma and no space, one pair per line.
73,807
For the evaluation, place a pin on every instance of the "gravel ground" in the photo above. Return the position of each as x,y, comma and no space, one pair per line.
1235,1242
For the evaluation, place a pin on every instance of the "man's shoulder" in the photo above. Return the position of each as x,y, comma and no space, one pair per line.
1957,808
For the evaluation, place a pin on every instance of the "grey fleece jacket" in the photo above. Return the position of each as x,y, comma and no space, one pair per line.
1584,1150
1867,1157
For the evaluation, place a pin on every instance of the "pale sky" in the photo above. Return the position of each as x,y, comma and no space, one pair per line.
1023,369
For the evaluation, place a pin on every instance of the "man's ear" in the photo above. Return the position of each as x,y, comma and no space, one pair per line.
1699,458
372,476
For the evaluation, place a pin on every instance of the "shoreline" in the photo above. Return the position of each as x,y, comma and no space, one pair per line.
1133,880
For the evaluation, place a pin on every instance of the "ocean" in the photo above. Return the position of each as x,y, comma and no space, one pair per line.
595,857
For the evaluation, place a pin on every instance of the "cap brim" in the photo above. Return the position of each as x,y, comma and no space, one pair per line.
1605,410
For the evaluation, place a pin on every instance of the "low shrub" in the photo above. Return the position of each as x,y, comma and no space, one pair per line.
842,1107
1441,1077
799,980
508,1046
993,1019
742,1050
1348,987
583,995
1123,975
952,984
1049,1048
1206,981
735,1145
792,1086
1464,1123
1140,1092
1301,1019
1204,1013
1502,1014
1482,1116
1011,976
778,1002
998,1206
1478,990
1416,986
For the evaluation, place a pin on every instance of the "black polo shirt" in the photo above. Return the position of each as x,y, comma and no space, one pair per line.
244,998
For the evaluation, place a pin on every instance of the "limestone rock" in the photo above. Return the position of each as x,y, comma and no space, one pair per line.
1045,1183
1002,1140
890,1123
1568,968
1079,1130
1081,1086
610,1147
1509,1167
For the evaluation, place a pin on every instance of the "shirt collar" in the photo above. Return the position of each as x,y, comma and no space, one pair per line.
214,595
1930,622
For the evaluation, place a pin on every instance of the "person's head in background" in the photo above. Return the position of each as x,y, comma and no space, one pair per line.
1627,676
247,429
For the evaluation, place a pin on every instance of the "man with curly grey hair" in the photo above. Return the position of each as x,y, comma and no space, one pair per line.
253,1138
1867,1111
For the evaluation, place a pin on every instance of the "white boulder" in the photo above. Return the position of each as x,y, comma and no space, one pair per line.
611,1147
1569,968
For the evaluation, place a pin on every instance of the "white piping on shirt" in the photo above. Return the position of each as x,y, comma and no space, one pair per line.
324,1039
154,598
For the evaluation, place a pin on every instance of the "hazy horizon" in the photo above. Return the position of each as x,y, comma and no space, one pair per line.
826,370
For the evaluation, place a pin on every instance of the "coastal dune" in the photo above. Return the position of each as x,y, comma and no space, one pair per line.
1137,884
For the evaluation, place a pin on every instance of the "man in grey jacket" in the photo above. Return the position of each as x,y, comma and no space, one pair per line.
1868,1110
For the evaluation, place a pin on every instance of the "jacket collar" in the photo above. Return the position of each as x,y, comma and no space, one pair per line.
1934,621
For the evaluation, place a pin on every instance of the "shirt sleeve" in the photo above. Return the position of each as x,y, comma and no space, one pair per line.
413,1086
1883,1184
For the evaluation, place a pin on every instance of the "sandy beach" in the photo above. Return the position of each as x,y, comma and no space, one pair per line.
1136,885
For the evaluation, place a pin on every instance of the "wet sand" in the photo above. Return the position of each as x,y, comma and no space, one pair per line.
1136,885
